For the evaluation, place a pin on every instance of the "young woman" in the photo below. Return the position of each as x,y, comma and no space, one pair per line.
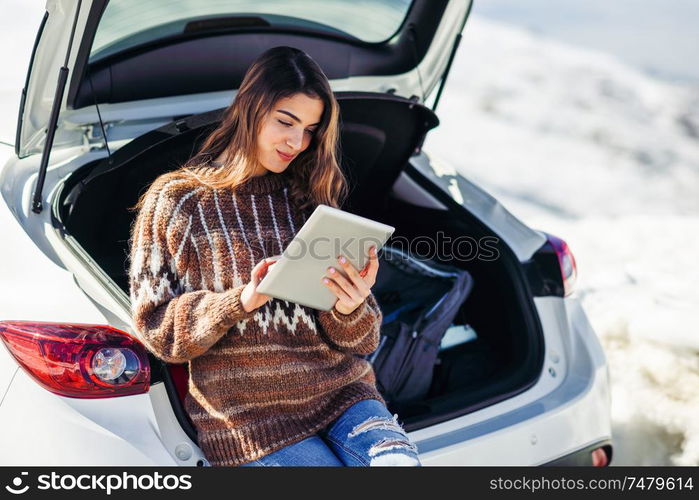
271,382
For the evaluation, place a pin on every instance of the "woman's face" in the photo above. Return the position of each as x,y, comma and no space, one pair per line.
287,130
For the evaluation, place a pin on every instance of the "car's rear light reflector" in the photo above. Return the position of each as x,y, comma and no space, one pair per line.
566,262
599,457
78,360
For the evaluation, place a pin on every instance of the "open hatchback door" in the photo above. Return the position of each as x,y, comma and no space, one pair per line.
128,55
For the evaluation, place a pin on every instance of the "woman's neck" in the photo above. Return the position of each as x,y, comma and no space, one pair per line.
261,183
259,169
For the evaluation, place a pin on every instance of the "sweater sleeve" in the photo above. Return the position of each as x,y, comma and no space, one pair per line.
174,325
356,332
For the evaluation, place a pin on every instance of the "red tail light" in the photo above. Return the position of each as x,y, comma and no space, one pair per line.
600,457
79,361
566,262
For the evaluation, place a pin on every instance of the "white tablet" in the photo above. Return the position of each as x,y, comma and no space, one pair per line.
328,233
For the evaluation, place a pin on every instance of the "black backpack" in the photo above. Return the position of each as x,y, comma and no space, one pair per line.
419,298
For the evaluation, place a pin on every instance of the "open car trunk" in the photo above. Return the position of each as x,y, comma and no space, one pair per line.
379,134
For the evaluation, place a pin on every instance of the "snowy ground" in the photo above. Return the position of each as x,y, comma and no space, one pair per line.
581,146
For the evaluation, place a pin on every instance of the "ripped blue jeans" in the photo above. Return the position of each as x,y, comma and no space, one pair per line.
364,435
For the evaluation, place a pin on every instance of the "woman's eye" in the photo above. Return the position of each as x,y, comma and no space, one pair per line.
287,124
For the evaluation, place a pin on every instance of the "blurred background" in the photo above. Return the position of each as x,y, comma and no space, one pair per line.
582,118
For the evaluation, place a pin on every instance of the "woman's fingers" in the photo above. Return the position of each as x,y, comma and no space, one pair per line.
355,280
265,270
259,271
337,290
353,283
357,285
371,268
347,286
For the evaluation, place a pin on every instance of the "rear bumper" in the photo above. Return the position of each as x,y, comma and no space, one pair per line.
582,457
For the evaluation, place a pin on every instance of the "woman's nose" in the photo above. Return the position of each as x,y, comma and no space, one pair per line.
295,140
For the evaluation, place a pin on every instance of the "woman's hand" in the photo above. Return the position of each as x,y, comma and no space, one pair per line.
249,297
352,292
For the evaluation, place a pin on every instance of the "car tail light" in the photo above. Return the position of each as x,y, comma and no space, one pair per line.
566,262
78,360
552,269
599,457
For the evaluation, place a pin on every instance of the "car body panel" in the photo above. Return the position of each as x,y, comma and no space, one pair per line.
88,432
42,291
8,369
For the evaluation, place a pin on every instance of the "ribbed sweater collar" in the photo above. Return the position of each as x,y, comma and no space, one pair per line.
262,184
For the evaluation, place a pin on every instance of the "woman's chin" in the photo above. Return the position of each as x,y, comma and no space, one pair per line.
278,169
267,169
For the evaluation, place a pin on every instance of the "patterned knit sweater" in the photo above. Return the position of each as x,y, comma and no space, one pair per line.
259,380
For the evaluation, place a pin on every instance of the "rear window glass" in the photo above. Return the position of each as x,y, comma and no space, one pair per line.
128,23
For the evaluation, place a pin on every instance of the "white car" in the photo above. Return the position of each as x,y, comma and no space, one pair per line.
532,387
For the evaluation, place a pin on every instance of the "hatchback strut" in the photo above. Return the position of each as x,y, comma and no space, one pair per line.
53,119
457,40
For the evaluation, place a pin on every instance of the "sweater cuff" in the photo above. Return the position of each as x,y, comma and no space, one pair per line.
350,318
232,308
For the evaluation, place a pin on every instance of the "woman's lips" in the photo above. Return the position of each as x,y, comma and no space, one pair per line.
284,157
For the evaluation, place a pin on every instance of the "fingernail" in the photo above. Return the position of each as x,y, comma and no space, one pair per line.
342,260
325,280
332,270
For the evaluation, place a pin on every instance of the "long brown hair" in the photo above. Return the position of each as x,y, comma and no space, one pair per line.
314,175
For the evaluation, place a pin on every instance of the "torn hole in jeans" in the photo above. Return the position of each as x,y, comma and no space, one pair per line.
388,443
377,423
